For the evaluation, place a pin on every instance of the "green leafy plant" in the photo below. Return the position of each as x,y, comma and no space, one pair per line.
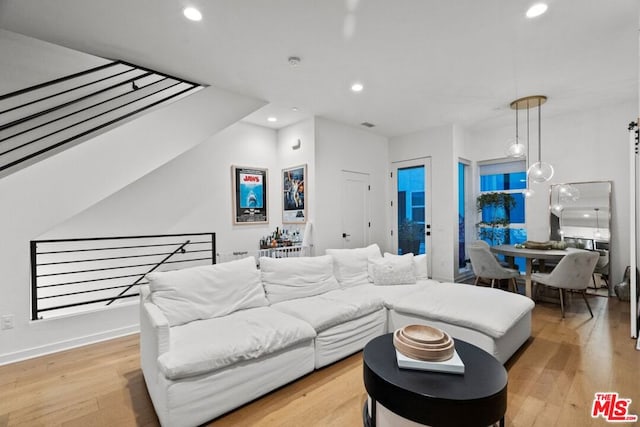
496,228
410,235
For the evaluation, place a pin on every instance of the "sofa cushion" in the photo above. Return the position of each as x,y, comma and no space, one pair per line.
387,294
201,347
327,310
419,264
350,266
207,291
290,278
364,302
469,306
392,270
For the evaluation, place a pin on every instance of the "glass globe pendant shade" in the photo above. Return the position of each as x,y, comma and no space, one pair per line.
515,148
540,172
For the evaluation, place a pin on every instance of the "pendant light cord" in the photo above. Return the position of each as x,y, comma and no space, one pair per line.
539,136
528,162
517,140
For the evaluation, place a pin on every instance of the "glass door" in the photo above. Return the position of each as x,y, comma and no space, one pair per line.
411,209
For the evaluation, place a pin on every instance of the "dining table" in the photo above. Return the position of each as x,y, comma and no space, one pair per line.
511,251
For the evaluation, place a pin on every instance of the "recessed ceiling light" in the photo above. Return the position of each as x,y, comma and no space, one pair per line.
536,10
357,87
586,215
192,13
272,119
295,109
294,61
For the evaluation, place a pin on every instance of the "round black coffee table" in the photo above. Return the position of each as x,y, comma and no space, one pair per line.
477,398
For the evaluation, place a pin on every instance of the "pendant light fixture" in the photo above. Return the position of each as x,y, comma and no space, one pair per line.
540,171
528,192
515,148
597,233
557,207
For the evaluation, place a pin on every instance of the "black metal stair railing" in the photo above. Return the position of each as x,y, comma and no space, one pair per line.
77,275
41,119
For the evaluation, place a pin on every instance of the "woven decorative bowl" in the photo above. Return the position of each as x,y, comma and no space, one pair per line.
530,244
423,343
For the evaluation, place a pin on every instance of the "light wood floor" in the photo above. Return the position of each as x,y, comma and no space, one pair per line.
552,380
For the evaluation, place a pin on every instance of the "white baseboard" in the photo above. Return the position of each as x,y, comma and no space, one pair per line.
67,344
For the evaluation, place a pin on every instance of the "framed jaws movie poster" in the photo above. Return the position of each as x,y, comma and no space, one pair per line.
293,188
249,195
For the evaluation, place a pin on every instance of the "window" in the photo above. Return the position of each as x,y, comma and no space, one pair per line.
509,178
462,173
417,206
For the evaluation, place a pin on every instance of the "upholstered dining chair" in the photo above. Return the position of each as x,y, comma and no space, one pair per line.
486,266
483,244
573,272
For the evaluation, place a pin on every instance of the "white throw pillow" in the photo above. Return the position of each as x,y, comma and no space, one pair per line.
393,270
350,266
291,278
207,291
419,264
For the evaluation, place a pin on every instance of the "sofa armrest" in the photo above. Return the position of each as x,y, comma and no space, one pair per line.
154,336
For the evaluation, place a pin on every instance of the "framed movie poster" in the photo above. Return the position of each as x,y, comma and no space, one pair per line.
249,195
293,188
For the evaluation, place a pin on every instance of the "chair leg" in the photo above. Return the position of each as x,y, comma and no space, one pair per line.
492,282
561,303
475,282
584,295
515,285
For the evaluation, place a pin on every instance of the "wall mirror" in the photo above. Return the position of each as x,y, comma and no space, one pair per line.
580,214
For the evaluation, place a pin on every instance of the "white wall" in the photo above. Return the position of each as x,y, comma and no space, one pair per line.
341,147
438,144
590,145
22,59
191,193
288,157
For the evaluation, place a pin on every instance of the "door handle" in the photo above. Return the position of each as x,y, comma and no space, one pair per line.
345,235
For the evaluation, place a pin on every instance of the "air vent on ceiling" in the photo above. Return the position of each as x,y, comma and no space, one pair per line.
367,124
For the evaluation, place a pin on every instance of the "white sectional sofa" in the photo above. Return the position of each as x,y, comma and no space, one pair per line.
215,337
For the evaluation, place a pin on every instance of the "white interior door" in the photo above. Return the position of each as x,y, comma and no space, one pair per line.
355,209
411,207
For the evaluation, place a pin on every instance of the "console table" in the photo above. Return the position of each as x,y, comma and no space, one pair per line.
398,396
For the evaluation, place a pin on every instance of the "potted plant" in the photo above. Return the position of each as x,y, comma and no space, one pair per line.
495,229
410,235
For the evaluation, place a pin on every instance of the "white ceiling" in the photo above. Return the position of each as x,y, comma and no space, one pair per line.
423,62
